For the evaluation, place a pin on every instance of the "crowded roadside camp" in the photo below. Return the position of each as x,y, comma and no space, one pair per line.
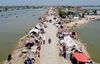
37,39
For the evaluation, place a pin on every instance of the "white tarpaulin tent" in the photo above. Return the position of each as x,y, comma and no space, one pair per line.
50,17
34,30
69,41
61,41
38,26
34,48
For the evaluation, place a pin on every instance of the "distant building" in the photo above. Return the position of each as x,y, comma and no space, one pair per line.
98,12
73,14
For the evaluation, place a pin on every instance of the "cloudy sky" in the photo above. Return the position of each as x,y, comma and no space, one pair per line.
49,2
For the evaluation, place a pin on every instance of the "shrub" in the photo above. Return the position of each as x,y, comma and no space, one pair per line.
62,14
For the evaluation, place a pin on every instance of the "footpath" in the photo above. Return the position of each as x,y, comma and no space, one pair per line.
50,52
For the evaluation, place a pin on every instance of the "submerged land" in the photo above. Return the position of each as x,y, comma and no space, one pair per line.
53,23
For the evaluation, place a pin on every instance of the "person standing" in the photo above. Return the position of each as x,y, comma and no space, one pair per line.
43,39
64,51
49,40
38,49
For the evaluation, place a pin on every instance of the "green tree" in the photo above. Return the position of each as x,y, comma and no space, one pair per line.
95,12
6,9
62,14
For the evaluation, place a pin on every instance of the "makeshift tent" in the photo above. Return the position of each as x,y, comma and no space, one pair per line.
61,41
34,30
50,17
24,51
66,33
31,40
34,48
38,26
69,41
29,61
62,30
81,57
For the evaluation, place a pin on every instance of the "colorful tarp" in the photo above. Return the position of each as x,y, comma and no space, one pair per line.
81,57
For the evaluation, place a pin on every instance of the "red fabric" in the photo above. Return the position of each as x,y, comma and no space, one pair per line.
81,57
73,33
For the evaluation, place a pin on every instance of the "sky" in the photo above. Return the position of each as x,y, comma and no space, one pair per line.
49,2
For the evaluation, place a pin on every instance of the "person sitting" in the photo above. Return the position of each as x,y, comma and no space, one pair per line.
9,58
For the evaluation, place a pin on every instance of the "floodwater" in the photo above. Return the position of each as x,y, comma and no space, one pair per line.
90,34
13,25
97,8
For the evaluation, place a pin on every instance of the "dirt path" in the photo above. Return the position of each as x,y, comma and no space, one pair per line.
50,52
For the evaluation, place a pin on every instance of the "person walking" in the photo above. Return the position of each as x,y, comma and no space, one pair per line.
49,40
38,50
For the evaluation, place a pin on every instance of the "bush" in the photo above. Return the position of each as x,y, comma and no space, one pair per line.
62,14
